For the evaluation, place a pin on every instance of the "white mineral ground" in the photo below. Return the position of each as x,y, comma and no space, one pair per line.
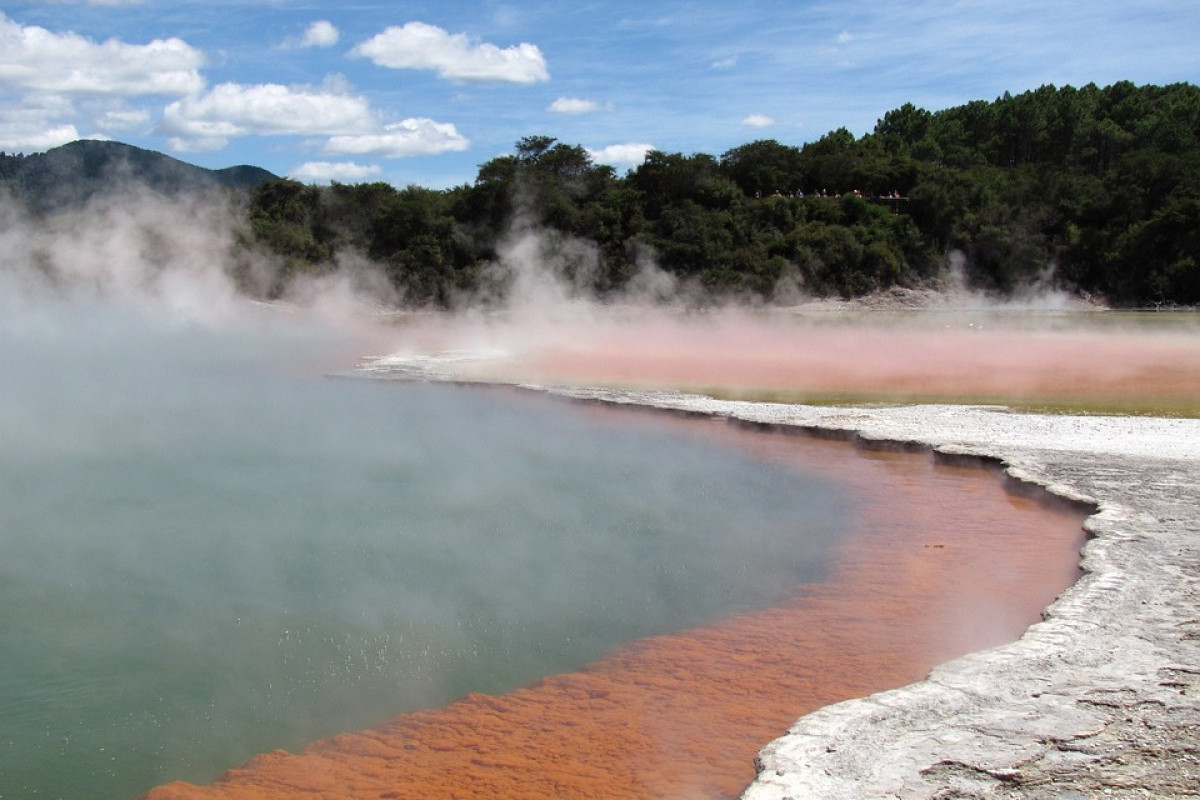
1102,698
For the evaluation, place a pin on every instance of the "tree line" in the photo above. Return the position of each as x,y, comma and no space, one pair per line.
1096,190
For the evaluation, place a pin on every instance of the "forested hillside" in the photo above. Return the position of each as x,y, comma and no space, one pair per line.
1094,189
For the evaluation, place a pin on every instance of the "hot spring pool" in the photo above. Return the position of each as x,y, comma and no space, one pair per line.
209,550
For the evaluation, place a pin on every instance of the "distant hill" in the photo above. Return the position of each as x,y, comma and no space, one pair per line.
68,176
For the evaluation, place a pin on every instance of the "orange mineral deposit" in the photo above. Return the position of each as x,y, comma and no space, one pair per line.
946,561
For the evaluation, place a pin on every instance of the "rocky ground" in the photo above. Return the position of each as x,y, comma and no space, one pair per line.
1101,699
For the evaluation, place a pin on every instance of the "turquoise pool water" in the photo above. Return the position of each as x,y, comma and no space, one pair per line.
208,549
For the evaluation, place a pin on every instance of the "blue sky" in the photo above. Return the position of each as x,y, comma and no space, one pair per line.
424,92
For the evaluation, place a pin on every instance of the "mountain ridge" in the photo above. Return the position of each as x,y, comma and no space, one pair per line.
70,175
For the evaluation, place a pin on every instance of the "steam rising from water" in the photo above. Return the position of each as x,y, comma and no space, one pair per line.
178,262
175,470
1090,361
1039,347
211,550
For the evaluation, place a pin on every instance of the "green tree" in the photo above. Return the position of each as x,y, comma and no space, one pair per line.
1100,184
282,219
764,167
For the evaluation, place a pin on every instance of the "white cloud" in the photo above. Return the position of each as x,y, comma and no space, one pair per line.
321,33
229,110
196,144
37,122
326,171
725,63
758,121
18,137
411,137
621,155
123,119
844,38
575,105
456,57
35,59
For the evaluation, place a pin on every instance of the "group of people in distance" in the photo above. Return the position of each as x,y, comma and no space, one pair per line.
799,194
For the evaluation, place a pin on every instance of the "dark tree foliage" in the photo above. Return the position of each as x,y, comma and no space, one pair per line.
1097,189
284,219
763,167
412,233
